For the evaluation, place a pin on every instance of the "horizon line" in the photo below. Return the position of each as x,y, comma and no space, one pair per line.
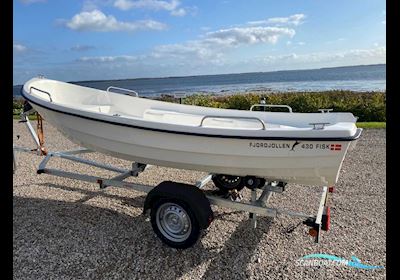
202,75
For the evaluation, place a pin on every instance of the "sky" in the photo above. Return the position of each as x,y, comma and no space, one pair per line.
118,39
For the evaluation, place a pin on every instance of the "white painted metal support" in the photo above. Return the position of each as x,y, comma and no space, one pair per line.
321,205
293,213
137,168
264,211
89,162
71,175
136,187
77,151
122,176
267,197
118,182
318,219
253,216
21,149
43,163
264,197
318,237
203,181
32,132
254,208
272,188
14,162
241,206
35,138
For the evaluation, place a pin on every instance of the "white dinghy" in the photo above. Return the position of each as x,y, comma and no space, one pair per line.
304,148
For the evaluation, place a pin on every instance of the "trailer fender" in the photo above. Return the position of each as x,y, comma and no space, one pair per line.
190,194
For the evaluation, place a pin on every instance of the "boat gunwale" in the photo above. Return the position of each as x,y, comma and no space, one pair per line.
100,119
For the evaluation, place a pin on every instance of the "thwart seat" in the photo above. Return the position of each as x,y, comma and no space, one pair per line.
166,116
178,118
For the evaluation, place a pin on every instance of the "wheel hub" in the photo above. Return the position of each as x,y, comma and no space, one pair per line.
173,222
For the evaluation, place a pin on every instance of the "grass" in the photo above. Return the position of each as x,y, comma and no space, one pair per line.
31,117
371,124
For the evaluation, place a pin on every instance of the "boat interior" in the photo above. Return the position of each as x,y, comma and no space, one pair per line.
123,103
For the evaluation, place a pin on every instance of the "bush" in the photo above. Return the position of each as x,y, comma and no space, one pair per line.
368,106
18,106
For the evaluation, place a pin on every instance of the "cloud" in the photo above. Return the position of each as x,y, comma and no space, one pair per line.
248,35
156,5
81,48
18,48
295,20
179,12
378,53
187,51
208,56
213,46
100,59
97,21
147,4
336,41
295,44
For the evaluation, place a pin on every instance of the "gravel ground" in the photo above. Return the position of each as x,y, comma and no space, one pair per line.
67,229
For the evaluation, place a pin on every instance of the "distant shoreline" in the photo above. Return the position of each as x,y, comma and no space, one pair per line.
222,74
225,74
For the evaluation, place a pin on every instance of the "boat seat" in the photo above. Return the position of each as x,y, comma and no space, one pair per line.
172,117
97,99
93,108
97,103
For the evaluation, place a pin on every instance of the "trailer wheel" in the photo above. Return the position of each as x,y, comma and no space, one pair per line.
228,182
174,223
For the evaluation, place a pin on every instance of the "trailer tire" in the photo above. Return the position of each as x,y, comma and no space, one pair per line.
175,223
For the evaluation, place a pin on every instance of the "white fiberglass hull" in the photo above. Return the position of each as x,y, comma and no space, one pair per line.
297,160
310,162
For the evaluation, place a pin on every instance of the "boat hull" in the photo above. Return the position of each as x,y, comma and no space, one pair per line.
292,161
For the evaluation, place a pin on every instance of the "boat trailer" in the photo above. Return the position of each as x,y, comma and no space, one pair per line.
179,212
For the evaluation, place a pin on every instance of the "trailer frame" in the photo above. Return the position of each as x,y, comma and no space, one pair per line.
258,205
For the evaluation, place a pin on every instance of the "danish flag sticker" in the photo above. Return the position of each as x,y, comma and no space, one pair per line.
336,147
